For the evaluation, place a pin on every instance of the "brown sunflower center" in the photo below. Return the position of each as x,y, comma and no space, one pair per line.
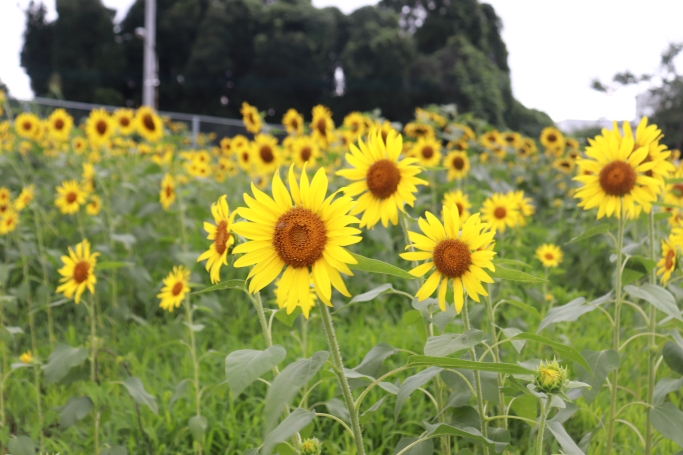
169,190
509,139
222,237
294,124
552,138
300,237
101,127
500,212
549,256
384,134
678,189
71,197
27,126
460,208
59,124
321,126
565,164
148,121
427,152
458,163
124,121
383,178
245,157
617,178
669,260
81,271
452,258
3,208
266,154
177,288
355,126
305,153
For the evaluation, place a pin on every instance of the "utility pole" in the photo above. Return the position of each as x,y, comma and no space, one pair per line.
150,79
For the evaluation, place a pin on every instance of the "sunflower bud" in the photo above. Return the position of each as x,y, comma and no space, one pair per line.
550,377
311,447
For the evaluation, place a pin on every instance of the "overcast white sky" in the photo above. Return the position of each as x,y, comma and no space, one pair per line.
556,48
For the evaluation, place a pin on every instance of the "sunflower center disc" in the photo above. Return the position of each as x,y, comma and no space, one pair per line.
452,258
459,207
124,121
177,288
427,152
266,154
678,187
500,212
669,261
27,126
295,124
71,197
101,127
222,237
552,138
148,121
383,178
322,126
305,153
59,124
549,256
169,191
81,271
617,178
300,237
245,157
458,163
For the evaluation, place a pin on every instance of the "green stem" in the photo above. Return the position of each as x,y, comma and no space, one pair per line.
46,283
39,406
652,343
93,339
25,268
545,407
496,355
110,228
477,380
617,321
256,300
346,390
195,364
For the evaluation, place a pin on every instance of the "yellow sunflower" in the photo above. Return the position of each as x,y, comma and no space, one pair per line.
571,143
217,254
26,357
8,221
460,200
384,129
491,139
78,272
649,136
305,150
322,125
458,165
615,172
94,205
550,255
382,182
175,288
418,130
167,192
124,119
251,118
355,123
667,262
512,140
564,165
27,125
460,145
524,206
245,159
24,199
304,233
266,153
528,148
453,248
148,124
427,151
226,147
500,211
227,167
70,197
552,138
79,145
293,122
99,127
59,125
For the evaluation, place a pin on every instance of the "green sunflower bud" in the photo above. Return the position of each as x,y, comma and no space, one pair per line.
551,377
311,447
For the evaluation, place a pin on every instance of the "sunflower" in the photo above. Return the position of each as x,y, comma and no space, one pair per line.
667,262
427,151
227,166
564,165
571,143
26,357
79,144
24,199
167,192
500,211
59,125
226,147
382,182
99,127
458,165
78,272
245,159
5,200
322,125
217,254
124,120
418,130
673,192
94,205
175,288
295,233
524,206
614,174
355,123
550,255
251,118
8,221
460,200
528,148
512,140
305,150
648,136
460,145
293,122
384,129
552,138
307,300
429,116
70,197
27,126
454,250
148,124
491,139
266,153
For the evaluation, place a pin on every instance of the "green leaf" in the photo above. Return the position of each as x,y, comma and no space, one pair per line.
523,306
111,265
469,433
367,296
377,266
228,284
63,359
115,450
296,421
411,384
198,426
4,273
596,230
372,362
246,366
21,445
565,351
601,363
568,312
668,420
448,343
287,319
445,362
179,391
514,275
286,385
568,445
662,299
673,356
137,391
127,239
664,387
672,181
635,268
426,447
512,263
75,409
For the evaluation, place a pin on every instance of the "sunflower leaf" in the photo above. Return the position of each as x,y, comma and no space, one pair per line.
567,352
447,362
377,266
229,284
504,273
596,230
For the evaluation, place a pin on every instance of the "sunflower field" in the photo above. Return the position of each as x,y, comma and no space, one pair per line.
437,287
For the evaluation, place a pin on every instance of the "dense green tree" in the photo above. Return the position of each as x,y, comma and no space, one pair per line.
36,55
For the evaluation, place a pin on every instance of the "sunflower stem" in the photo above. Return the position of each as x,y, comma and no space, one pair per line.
496,354
545,407
617,322
29,301
93,339
43,264
343,382
36,383
195,363
477,380
652,343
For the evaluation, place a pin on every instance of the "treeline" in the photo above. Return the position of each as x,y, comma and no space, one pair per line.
279,54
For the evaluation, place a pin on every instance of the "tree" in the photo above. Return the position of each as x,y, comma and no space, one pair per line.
36,55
